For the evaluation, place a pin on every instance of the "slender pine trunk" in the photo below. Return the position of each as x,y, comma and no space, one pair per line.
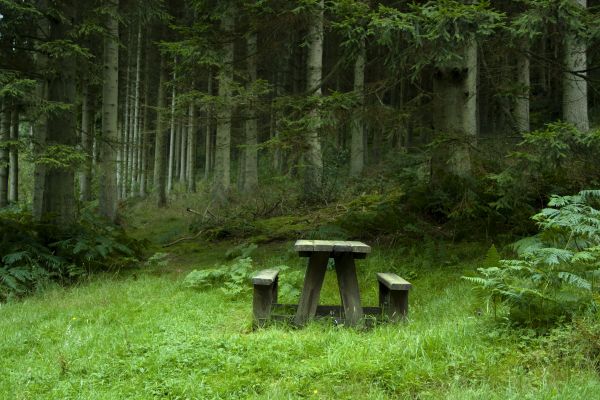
521,112
110,110
223,143
313,157
357,146
136,114
4,137
172,137
13,178
85,176
250,178
208,132
160,172
191,148
182,152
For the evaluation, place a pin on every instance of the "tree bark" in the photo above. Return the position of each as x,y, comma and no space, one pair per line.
13,178
455,107
208,150
135,145
314,158
357,145
57,205
521,112
575,102
182,152
110,99
191,149
160,172
85,176
172,137
250,178
222,179
4,137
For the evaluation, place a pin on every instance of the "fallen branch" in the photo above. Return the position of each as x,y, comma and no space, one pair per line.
183,239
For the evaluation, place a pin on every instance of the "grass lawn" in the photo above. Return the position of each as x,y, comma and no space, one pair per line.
144,335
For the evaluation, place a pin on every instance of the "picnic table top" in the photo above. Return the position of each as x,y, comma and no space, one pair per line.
336,246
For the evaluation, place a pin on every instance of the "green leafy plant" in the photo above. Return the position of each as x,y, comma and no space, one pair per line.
232,279
555,275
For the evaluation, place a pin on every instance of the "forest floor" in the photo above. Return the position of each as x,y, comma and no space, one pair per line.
143,334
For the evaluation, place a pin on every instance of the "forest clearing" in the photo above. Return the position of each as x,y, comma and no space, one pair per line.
299,199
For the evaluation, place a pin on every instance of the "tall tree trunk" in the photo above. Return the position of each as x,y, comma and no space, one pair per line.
575,102
314,158
125,144
136,113
160,172
182,152
13,192
250,178
223,144
40,129
191,149
521,112
172,137
357,146
57,205
146,133
85,176
455,107
110,110
208,149
4,137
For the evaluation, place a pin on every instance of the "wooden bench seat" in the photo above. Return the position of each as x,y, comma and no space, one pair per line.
393,295
265,284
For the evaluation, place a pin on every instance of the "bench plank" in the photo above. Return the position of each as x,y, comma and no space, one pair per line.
393,281
265,277
338,246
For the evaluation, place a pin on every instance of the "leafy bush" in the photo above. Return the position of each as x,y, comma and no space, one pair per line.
556,272
232,279
34,253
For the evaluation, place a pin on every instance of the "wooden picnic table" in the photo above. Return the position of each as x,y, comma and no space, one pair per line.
318,253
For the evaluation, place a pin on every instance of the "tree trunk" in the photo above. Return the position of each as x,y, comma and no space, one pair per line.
455,108
135,145
223,144
4,137
172,138
191,148
208,150
57,205
314,158
182,152
521,112
110,100
357,146
575,102
13,192
146,139
250,178
85,176
161,138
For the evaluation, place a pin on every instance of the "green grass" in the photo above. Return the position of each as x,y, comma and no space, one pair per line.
143,335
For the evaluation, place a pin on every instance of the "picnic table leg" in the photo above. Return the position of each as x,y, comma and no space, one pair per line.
313,281
348,283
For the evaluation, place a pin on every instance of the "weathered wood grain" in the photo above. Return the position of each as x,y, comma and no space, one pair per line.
336,246
311,291
265,277
349,291
393,281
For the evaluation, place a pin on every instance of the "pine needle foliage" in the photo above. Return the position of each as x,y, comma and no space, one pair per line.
555,275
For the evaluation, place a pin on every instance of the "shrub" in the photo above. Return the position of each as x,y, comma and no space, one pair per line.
34,253
555,274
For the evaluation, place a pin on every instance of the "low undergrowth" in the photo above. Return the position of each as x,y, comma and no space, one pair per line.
148,335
